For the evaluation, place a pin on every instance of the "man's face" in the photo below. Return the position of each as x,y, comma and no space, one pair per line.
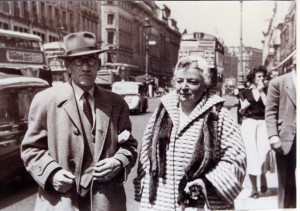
83,70
274,74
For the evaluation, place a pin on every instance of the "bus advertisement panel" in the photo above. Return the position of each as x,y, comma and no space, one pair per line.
22,54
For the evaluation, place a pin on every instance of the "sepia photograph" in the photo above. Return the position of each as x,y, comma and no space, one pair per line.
148,105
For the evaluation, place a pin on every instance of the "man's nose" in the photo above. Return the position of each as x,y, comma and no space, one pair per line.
85,67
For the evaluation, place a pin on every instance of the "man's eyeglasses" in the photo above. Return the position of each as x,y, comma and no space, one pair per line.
88,60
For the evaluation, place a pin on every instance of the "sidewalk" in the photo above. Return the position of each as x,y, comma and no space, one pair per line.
265,201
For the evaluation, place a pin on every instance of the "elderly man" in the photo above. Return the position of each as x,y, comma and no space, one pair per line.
280,118
78,146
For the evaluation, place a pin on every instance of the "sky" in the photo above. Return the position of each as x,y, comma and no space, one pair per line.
223,18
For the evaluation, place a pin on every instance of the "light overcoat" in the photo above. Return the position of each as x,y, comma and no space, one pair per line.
55,140
280,112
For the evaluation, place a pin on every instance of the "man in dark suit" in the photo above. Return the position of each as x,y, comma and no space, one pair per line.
78,146
280,118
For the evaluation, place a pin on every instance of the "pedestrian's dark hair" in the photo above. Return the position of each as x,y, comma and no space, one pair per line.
254,70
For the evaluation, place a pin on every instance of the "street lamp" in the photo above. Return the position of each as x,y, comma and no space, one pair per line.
61,31
240,70
147,31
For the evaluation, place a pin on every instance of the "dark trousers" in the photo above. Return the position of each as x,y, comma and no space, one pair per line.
286,166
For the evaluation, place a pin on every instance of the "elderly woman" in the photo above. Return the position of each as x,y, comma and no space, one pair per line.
253,128
192,153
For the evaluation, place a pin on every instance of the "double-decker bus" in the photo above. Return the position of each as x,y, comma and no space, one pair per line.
22,54
113,72
56,65
208,47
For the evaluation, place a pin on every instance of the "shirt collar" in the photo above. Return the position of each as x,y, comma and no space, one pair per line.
79,92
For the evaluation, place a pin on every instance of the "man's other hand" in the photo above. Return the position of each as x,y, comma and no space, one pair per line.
276,144
106,169
62,181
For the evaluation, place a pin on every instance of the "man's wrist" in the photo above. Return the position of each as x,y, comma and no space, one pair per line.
121,163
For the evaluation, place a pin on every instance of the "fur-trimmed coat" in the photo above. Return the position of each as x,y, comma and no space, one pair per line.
223,180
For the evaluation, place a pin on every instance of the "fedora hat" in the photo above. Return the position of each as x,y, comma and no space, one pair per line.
79,44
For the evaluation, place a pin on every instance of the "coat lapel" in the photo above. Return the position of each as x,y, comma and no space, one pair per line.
290,89
103,112
68,102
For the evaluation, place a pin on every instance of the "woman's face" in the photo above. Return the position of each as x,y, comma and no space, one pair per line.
259,78
189,85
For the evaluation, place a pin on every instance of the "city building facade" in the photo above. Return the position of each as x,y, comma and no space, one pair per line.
230,65
50,20
280,37
251,57
124,29
119,25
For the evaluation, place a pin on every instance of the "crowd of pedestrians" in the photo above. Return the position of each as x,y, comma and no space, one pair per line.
194,156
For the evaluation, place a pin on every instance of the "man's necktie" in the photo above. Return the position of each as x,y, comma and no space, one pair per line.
87,108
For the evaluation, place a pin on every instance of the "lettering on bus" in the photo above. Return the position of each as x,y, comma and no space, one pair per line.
22,56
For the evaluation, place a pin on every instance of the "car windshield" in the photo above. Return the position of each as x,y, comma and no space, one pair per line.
125,88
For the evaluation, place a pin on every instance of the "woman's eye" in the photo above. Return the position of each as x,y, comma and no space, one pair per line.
193,82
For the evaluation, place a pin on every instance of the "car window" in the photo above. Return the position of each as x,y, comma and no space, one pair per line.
7,109
14,106
24,98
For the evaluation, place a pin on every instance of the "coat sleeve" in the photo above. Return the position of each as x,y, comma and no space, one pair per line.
143,161
34,147
127,152
228,174
271,112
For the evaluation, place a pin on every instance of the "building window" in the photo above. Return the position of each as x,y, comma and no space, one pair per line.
110,19
110,37
6,6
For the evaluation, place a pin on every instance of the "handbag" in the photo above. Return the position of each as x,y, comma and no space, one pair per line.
270,161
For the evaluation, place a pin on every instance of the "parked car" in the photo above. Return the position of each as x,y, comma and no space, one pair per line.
16,93
134,93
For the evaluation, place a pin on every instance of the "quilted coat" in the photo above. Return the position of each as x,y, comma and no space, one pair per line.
225,178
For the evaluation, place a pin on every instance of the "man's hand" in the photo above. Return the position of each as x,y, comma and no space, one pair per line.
276,144
106,169
62,181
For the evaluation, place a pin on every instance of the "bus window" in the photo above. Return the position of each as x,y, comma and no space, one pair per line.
10,42
2,41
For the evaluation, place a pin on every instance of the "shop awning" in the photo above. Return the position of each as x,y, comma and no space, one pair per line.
285,60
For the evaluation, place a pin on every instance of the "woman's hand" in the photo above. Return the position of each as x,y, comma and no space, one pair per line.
192,188
244,105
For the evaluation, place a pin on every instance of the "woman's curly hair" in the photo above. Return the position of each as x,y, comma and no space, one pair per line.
254,70
195,62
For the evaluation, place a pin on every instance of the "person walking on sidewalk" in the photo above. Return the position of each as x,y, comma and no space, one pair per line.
252,108
192,155
71,147
281,126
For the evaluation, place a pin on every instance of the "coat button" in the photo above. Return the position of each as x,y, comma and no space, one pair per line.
39,169
75,131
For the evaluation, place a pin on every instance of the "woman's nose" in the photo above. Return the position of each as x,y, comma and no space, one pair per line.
184,85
